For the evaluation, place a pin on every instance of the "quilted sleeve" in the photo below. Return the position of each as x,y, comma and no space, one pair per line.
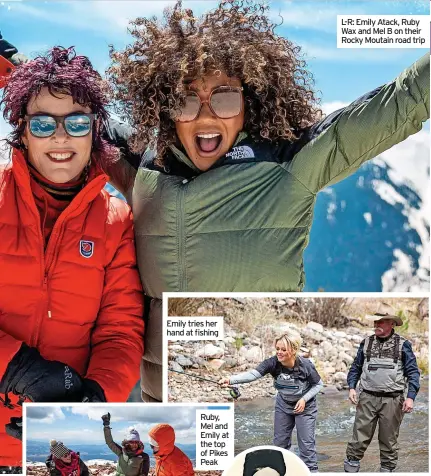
337,146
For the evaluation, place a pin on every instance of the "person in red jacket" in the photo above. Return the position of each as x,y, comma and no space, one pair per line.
71,302
170,460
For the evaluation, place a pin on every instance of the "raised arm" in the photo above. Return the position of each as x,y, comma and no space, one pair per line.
110,442
337,146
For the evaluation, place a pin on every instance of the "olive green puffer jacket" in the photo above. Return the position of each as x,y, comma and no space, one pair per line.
128,465
243,225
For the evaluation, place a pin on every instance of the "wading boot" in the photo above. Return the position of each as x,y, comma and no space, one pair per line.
351,466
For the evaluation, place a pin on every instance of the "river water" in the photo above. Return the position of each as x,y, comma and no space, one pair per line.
254,427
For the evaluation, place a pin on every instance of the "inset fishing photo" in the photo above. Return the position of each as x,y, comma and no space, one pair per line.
342,382
127,440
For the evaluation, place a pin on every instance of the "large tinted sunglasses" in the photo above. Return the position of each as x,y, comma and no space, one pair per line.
75,124
224,102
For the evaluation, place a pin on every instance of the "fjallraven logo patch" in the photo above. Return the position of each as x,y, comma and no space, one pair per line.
241,152
86,248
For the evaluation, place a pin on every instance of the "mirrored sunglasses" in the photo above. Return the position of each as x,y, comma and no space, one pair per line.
75,125
224,102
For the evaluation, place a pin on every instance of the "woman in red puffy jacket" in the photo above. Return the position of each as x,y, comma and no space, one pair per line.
170,460
71,302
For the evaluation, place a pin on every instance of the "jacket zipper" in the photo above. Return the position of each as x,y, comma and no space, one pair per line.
52,248
182,281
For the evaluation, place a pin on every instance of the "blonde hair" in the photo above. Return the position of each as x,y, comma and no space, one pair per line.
292,340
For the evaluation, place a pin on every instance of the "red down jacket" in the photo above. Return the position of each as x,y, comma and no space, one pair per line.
170,460
85,311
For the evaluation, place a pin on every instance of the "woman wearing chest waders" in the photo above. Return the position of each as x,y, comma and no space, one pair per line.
298,383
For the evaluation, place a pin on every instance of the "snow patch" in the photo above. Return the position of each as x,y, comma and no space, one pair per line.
368,218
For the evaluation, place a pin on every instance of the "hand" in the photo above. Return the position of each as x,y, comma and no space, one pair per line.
6,49
299,407
106,419
353,397
14,428
92,391
31,376
224,382
408,405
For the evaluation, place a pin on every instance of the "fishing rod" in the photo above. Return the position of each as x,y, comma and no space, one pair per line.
233,390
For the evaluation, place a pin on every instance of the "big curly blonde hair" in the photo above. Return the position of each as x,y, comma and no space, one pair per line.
149,77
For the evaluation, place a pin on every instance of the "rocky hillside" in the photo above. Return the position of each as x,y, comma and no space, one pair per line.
332,349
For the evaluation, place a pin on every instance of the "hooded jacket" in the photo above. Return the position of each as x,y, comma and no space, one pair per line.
170,460
80,300
128,464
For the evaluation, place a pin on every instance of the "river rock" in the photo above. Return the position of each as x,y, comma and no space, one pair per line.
199,361
176,347
216,364
230,362
210,351
315,326
345,358
228,340
175,366
329,369
254,354
340,377
340,334
341,366
184,361
326,346
310,334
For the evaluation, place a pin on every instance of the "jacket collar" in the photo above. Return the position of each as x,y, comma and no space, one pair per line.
97,180
182,157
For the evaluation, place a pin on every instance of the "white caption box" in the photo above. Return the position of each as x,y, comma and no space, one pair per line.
214,438
195,328
383,31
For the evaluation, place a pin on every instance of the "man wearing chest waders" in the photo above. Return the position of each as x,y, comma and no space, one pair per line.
385,366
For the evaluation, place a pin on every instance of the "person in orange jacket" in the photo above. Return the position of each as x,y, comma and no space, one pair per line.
71,301
170,460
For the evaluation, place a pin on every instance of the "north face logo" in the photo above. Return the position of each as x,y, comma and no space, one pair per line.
286,377
241,152
86,248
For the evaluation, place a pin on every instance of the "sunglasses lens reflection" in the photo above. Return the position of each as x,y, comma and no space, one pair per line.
77,126
226,104
42,126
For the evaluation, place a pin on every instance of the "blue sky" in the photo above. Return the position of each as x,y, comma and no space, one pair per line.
341,74
83,424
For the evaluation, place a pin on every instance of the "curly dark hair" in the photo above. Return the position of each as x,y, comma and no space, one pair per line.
62,72
238,38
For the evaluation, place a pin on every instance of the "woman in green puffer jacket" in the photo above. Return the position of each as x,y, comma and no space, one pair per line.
132,461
